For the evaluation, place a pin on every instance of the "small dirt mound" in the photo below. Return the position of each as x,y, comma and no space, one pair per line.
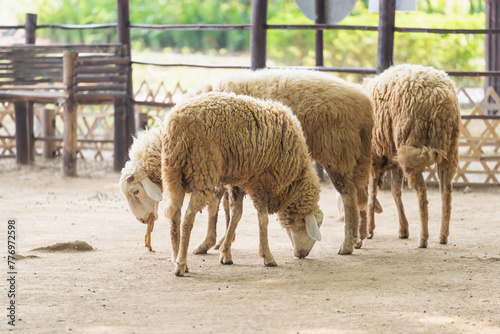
22,257
76,246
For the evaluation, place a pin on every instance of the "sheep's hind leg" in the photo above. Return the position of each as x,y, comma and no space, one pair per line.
421,189
213,210
196,204
236,202
445,186
225,205
396,186
349,195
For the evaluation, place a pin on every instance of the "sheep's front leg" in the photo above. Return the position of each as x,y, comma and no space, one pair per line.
196,204
213,210
396,186
445,186
236,203
264,251
421,189
363,228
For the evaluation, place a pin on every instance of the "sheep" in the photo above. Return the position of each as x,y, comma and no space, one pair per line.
141,184
337,120
140,179
255,145
417,118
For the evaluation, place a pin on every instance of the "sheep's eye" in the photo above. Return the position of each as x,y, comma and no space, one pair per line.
136,192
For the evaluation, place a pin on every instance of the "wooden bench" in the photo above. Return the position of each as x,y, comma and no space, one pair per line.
67,75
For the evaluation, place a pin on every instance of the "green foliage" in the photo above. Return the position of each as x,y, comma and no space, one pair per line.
343,48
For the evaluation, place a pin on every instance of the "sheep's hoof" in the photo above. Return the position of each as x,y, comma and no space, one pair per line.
180,269
203,248
370,235
217,247
359,244
226,258
344,250
270,264
443,239
404,235
422,243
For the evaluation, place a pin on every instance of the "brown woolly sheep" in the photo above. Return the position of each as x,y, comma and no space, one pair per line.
417,120
337,120
255,145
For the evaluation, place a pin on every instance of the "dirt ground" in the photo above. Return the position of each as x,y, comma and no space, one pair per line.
388,286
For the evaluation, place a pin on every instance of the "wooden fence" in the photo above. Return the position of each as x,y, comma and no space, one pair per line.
479,133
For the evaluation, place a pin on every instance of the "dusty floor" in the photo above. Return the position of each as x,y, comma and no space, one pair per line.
388,286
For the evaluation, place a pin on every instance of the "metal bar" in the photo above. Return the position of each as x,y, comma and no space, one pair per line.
448,31
154,104
258,38
18,27
191,26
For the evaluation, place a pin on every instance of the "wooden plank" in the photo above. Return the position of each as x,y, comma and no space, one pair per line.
111,87
92,78
35,87
99,96
101,60
29,94
100,70
60,48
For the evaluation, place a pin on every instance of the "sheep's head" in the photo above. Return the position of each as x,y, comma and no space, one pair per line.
303,232
142,195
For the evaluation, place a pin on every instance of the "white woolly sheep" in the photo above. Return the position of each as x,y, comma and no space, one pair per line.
140,182
240,141
337,120
417,120
140,179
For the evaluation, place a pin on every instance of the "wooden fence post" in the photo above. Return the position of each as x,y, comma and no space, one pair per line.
319,18
22,133
258,38
123,23
70,143
387,16
492,45
120,148
49,130
30,38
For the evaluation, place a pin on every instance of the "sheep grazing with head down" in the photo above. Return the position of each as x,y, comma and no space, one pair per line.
417,120
337,119
140,179
255,145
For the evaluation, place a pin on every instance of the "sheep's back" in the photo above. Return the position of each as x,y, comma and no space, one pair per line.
413,106
245,140
336,116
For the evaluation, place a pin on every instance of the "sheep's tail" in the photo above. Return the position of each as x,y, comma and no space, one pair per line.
414,160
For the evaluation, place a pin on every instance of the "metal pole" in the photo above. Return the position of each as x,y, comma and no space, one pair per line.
387,15
30,38
258,38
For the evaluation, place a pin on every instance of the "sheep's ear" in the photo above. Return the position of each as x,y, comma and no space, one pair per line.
152,189
312,227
